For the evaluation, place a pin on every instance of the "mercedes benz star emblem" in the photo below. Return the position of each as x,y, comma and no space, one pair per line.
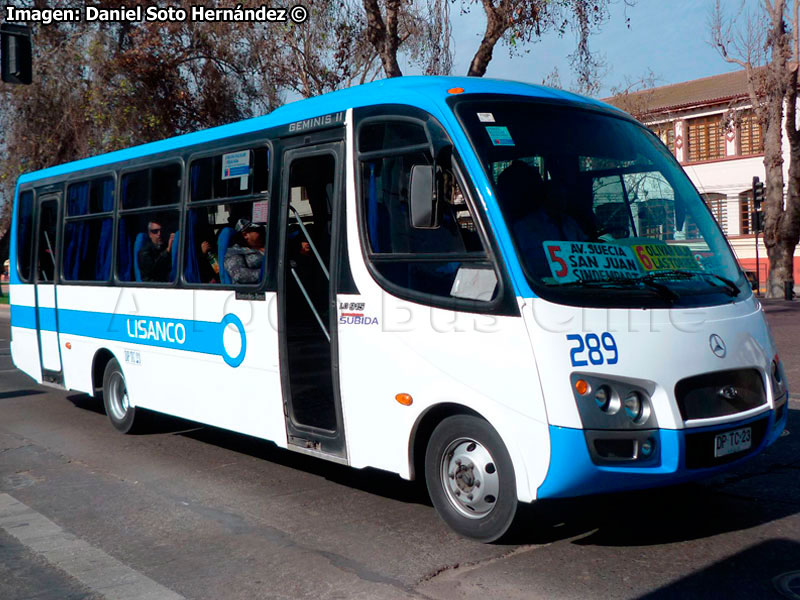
717,345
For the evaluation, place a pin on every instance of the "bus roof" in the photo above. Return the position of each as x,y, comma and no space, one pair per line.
420,91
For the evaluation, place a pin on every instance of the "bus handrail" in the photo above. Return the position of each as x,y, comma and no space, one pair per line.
310,243
311,304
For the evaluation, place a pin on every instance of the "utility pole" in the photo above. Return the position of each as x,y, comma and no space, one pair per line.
758,223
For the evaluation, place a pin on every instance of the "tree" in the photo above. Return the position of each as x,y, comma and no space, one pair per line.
516,23
104,86
761,44
635,96
421,30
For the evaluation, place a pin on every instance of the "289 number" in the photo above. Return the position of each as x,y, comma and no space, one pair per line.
597,349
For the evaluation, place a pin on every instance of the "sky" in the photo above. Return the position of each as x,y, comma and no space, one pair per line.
670,37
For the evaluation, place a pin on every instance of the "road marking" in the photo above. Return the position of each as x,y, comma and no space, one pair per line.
91,566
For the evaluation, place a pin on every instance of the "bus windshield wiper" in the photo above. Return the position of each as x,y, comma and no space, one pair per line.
731,288
662,290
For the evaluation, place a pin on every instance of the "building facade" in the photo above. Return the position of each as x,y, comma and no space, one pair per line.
709,126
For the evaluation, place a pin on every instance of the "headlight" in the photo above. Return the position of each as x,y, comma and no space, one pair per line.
647,447
606,399
633,406
637,406
609,404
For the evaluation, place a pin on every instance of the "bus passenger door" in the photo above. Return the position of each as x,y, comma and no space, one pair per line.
46,261
310,189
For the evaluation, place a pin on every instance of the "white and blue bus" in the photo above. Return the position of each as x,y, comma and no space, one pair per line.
511,291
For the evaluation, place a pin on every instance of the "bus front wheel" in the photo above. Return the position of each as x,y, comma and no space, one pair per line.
115,398
470,478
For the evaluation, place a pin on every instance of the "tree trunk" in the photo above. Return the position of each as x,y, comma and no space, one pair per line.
383,35
788,227
495,28
773,204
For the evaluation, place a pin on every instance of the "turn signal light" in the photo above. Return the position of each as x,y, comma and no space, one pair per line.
582,387
68,345
404,399
455,91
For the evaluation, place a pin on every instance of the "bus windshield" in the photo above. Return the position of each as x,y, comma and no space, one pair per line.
595,203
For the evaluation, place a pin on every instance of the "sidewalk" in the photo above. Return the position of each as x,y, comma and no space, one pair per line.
778,305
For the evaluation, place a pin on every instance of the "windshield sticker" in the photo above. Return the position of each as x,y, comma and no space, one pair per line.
486,117
663,257
500,135
590,261
236,164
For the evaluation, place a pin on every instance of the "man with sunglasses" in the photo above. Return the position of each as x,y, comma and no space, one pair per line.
155,257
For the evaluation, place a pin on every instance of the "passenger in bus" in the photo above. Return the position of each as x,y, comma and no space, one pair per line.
155,257
209,266
533,217
244,260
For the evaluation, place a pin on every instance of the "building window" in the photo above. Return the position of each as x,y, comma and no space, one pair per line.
751,140
717,204
706,138
666,133
746,211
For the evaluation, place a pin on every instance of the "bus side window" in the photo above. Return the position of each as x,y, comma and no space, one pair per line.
433,261
228,200
87,238
149,224
24,234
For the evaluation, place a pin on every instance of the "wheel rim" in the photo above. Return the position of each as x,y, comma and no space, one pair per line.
469,478
118,402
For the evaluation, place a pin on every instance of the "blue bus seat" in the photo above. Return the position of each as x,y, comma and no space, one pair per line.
176,243
223,242
137,245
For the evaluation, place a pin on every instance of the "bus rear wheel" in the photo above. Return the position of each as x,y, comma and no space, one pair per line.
470,478
115,398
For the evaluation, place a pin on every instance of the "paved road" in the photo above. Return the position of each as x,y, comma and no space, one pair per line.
195,512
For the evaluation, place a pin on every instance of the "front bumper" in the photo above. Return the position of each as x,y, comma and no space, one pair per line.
573,473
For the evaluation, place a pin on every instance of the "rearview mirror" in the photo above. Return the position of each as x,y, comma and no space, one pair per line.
422,199
16,52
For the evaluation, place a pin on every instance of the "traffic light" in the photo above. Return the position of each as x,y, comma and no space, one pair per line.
758,193
15,53
758,221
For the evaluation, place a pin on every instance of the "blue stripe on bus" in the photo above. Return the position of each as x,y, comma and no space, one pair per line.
205,337
47,318
25,316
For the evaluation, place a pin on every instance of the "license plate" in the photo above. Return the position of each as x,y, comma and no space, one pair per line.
733,441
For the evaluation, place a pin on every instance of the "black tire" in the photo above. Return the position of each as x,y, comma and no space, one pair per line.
115,398
470,478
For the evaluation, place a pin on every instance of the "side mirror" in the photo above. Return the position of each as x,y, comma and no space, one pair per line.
16,54
422,199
